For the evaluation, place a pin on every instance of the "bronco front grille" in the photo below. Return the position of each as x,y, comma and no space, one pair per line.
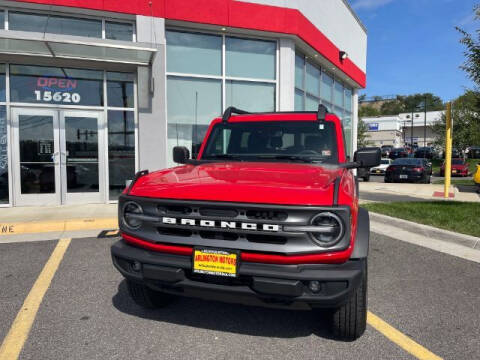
264,228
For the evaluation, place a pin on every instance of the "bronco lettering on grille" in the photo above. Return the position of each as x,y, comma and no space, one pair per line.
221,224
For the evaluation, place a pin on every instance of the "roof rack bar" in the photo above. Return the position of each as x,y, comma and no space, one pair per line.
322,112
232,110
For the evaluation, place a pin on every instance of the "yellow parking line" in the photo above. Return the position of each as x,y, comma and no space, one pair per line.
57,225
400,339
18,334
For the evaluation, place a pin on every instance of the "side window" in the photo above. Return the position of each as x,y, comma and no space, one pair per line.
221,143
288,140
244,140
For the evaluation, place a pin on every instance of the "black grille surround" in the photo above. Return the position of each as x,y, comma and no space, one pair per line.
286,241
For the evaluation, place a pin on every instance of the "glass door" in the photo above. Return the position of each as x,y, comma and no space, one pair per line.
82,156
36,155
59,156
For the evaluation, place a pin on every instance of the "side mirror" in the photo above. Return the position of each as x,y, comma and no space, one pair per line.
368,157
180,154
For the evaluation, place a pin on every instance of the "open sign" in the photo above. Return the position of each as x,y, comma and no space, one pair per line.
56,83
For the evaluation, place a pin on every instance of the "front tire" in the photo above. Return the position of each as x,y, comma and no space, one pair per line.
146,297
349,321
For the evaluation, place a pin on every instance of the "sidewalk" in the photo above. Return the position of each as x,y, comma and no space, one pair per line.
55,222
421,191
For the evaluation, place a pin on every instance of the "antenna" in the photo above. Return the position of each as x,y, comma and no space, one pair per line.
195,129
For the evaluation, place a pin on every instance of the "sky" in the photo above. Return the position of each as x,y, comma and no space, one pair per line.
413,46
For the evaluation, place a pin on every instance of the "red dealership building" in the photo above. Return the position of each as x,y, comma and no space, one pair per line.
92,91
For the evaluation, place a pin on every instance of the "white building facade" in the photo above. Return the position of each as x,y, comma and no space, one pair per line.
397,130
93,91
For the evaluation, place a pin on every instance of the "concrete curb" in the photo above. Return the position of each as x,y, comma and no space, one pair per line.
63,226
427,231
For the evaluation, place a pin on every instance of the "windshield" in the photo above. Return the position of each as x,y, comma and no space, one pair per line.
457,161
305,141
385,162
407,161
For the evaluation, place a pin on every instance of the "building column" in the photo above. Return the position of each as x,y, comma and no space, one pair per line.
152,115
354,120
286,75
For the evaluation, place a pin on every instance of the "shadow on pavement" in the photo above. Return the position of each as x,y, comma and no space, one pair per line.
232,318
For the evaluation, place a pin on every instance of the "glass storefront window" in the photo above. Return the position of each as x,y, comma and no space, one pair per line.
311,103
121,150
250,96
250,58
3,85
299,100
120,90
118,31
348,100
326,88
49,85
191,104
194,53
338,94
299,69
312,79
54,24
2,19
4,197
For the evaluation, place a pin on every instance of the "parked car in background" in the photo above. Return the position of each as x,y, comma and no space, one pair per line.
409,169
363,173
424,152
398,153
386,149
459,167
455,154
380,169
473,152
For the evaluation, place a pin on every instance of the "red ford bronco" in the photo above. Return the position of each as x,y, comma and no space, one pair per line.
267,214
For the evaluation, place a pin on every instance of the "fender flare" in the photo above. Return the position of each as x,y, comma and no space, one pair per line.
360,249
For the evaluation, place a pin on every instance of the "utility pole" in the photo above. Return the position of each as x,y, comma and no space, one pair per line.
411,133
425,124
448,150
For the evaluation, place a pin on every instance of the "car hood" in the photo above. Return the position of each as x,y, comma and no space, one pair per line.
251,182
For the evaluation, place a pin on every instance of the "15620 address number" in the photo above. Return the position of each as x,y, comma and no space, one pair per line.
57,96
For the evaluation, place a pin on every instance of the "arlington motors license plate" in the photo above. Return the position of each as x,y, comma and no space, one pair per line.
215,262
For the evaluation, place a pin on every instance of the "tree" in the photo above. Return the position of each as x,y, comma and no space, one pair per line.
362,134
416,102
466,122
367,111
472,52
392,107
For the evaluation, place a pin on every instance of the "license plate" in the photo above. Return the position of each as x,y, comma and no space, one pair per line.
215,262
403,176
378,171
454,171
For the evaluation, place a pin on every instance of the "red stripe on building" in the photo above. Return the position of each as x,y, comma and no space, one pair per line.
229,13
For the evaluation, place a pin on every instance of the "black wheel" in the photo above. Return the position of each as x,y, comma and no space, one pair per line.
387,180
146,297
349,321
366,178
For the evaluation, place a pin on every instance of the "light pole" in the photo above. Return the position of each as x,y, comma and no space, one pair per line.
411,133
425,124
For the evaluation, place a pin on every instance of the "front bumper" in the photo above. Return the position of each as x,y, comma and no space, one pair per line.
257,284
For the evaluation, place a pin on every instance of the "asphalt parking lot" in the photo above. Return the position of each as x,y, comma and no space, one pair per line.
431,297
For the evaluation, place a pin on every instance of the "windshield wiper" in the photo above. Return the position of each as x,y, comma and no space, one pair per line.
223,156
307,159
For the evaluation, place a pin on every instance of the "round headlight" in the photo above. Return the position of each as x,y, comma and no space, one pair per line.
132,208
330,228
